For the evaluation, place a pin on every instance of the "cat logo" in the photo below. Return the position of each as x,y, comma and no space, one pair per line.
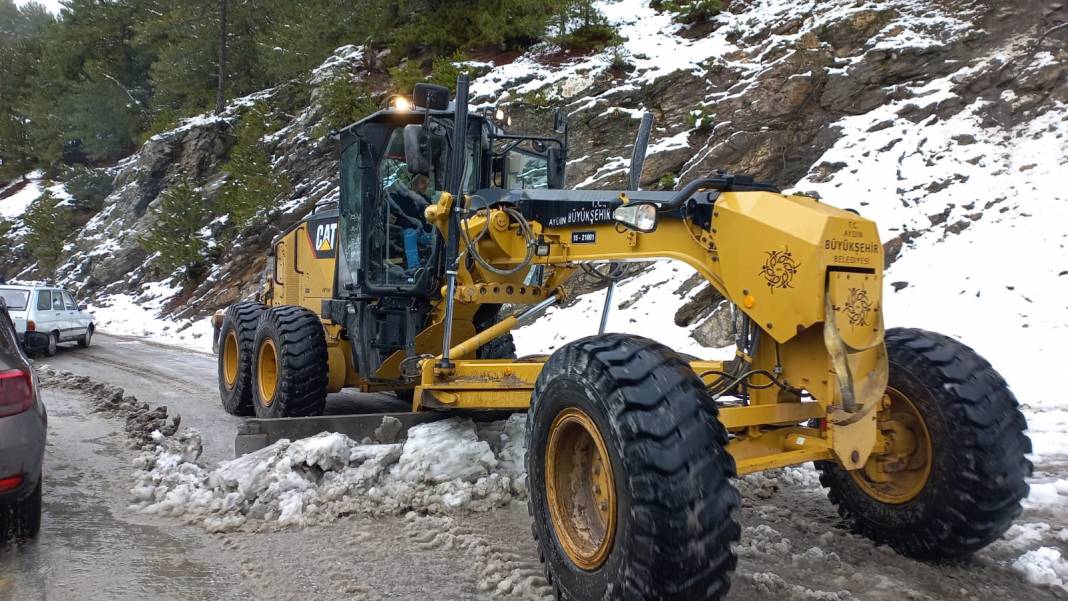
323,237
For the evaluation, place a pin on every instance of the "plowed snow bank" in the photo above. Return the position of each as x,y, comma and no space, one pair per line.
451,465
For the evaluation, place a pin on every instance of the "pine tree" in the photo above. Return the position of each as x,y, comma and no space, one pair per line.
343,101
86,99
176,238
290,46
48,226
21,37
252,185
5,236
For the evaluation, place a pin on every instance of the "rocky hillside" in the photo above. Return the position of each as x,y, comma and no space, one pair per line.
943,120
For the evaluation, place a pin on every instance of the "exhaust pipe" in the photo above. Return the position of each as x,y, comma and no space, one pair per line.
637,158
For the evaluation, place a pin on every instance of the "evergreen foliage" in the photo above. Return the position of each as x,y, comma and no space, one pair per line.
445,71
175,237
5,235
48,226
690,11
89,86
344,102
89,187
21,40
404,76
580,26
252,185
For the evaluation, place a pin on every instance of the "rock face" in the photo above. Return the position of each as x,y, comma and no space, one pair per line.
762,89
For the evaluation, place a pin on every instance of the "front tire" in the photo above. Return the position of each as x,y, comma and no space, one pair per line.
236,337
960,487
86,339
631,491
290,372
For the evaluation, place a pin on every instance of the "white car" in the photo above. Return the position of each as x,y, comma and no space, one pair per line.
47,309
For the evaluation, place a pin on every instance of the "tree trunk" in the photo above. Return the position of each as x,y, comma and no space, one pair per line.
220,92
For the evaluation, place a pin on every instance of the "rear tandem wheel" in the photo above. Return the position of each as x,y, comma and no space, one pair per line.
289,370
235,338
631,492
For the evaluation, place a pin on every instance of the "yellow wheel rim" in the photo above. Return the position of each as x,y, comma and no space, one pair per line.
580,488
899,470
230,359
267,372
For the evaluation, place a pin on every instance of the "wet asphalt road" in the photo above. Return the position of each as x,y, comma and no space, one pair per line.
92,546
186,382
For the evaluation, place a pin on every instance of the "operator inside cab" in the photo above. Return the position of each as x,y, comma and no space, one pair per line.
405,241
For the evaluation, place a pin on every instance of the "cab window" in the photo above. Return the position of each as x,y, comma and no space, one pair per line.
400,241
525,170
69,301
349,222
57,301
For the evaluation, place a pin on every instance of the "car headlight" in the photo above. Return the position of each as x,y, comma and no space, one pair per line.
638,216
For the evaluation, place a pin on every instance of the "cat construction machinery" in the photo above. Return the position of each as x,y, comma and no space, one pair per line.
632,447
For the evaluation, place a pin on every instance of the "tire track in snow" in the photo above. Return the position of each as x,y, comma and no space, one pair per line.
500,572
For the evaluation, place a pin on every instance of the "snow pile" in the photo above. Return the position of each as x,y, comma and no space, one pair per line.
1045,566
445,466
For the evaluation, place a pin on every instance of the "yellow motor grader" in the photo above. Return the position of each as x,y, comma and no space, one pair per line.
444,219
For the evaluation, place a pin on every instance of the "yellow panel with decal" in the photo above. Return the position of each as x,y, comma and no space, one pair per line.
775,251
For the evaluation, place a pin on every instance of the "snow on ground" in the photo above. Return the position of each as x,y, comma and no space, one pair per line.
15,205
649,302
130,315
442,467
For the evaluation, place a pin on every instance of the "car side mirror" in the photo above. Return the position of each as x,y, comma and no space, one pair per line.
83,307
35,341
417,149
556,168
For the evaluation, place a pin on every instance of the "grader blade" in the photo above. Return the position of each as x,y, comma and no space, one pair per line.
255,434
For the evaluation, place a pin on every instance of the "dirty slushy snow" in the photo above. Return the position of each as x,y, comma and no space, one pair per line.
446,466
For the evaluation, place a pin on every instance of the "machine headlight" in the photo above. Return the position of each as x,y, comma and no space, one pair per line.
400,103
638,216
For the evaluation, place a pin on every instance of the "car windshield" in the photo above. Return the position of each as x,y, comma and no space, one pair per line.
15,298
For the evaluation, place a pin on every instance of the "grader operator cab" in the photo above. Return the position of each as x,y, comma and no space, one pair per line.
631,447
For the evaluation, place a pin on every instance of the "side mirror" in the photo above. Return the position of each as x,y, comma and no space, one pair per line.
417,149
83,307
35,341
556,168
560,121
430,96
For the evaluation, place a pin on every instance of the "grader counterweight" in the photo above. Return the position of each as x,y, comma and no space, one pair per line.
632,448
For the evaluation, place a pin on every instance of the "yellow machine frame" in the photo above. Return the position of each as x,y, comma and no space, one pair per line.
808,274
